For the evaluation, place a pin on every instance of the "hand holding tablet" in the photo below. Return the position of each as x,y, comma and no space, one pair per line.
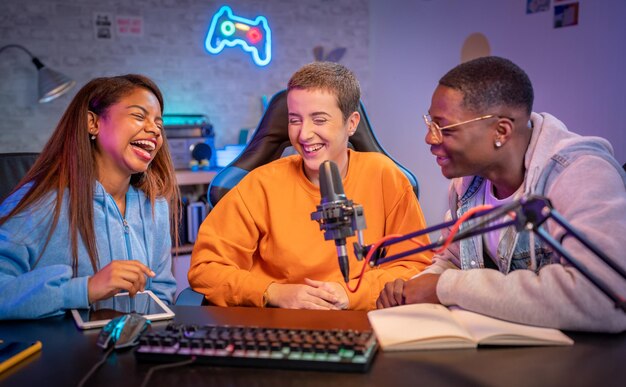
118,275
100,313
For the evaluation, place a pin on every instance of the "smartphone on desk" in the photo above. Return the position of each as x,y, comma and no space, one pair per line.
13,352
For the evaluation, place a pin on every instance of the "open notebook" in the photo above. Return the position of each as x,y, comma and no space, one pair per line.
431,326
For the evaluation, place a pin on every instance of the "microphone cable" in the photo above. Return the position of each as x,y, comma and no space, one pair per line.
453,232
457,225
368,257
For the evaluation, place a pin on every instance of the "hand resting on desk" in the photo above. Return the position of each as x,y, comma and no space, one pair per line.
422,289
311,295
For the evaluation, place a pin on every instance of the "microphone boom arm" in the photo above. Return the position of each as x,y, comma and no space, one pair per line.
531,212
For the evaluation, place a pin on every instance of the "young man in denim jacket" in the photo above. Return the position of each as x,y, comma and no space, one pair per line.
486,138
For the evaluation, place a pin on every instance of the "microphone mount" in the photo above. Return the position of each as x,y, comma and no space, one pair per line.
531,212
340,219
337,216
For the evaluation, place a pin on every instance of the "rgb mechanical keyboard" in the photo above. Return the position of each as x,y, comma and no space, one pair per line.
322,350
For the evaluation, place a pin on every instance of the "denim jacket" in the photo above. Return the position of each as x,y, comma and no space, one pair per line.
586,185
514,248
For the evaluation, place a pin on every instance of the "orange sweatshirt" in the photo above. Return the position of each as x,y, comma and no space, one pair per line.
261,232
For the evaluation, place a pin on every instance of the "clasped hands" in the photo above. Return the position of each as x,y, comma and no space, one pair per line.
422,289
310,295
331,295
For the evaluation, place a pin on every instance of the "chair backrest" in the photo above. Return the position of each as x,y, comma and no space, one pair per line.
190,297
13,167
271,138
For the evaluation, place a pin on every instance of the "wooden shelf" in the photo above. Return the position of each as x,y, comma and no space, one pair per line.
187,177
182,249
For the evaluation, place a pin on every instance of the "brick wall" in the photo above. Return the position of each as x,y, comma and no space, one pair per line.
227,87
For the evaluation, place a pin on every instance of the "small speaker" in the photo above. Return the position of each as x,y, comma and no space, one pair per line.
190,137
201,151
184,150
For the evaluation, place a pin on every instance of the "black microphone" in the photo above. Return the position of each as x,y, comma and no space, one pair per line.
337,216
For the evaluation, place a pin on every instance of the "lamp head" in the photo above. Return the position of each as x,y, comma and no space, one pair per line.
51,84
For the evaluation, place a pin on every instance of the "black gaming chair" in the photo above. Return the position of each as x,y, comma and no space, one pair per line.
13,166
270,140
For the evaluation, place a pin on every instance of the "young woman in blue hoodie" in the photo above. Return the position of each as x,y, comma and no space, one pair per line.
92,217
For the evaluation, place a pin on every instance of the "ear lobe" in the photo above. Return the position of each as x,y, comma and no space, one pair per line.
353,122
92,123
504,130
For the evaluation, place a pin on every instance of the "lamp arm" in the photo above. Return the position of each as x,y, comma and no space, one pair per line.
34,59
17,46
531,212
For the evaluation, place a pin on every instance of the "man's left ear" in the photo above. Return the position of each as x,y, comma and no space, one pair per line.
504,130
353,122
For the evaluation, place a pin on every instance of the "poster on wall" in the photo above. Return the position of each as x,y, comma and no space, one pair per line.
129,26
534,6
565,15
103,26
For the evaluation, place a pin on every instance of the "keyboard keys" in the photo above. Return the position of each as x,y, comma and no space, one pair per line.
331,350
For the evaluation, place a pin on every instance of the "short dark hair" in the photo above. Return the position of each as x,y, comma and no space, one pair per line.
331,77
491,81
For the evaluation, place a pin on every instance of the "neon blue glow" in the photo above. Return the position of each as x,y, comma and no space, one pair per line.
228,30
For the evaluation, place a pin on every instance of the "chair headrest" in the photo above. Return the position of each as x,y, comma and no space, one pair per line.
13,167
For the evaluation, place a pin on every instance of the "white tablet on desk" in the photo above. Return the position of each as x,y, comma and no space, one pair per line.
101,312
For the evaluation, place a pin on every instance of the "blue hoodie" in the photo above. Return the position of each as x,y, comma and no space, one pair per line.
31,289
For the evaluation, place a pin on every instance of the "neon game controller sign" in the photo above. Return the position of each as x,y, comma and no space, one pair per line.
228,30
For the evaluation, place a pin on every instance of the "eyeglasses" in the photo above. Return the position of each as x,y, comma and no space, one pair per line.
436,131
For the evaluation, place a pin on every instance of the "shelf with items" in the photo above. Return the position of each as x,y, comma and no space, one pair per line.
187,177
193,186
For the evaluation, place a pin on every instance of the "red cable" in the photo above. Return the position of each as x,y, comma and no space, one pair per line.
368,257
453,231
457,225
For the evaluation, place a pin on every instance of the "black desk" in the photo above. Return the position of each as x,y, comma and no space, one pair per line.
595,360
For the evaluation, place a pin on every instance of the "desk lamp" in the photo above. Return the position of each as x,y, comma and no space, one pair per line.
51,84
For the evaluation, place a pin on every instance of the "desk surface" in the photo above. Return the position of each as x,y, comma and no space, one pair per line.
68,354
